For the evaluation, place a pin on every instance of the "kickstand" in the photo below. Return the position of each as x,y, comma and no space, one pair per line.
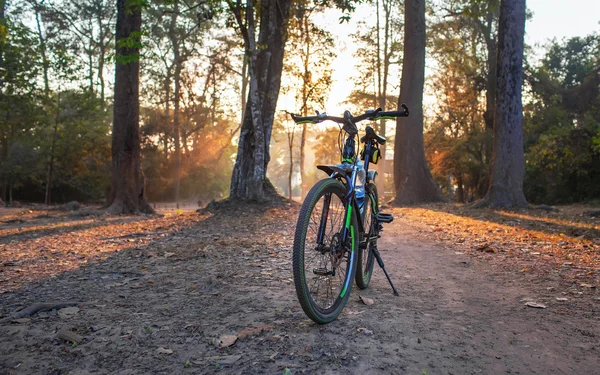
380,262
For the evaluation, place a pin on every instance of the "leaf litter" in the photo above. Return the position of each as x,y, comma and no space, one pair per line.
209,274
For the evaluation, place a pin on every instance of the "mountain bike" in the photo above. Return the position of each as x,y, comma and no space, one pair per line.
336,235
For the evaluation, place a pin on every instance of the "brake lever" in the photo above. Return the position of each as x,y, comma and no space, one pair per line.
372,113
405,108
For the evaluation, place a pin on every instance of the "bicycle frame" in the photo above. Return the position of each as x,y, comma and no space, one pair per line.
350,192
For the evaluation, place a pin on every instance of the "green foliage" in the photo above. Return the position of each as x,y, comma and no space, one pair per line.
562,126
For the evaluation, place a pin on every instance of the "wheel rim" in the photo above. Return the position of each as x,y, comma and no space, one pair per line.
325,265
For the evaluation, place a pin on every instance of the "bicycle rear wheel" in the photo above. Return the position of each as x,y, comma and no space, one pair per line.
366,259
324,266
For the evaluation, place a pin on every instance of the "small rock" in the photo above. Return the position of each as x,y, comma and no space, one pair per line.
366,301
536,305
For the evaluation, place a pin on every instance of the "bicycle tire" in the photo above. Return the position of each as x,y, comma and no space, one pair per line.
366,259
334,272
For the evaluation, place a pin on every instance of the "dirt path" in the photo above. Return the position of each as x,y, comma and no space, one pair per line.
161,307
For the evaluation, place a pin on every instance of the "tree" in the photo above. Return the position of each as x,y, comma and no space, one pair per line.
127,178
508,160
265,65
469,28
308,70
412,179
561,130
375,70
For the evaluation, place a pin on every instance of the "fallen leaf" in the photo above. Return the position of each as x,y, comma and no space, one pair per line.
68,312
162,350
536,305
226,341
286,371
586,285
366,301
253,331
167,254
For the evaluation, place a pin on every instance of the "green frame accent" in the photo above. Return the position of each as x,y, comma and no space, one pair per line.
348,218
343,292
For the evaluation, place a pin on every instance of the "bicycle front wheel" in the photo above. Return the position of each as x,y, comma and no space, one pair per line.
324,264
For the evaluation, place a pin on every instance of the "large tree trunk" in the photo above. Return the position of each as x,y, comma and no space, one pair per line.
265,66
508,160
3,134
127,179
412,179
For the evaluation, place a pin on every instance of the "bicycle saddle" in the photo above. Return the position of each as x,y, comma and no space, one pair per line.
372,135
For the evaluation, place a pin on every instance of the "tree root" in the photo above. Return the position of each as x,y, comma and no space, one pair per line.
37,307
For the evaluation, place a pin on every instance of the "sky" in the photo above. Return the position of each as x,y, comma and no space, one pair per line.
551,19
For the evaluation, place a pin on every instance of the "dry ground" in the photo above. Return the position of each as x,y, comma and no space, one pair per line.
157,294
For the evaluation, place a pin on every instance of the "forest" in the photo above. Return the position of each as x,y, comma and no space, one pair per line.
58,62
161,210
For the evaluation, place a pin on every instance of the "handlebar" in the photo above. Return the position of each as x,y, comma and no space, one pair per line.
348,120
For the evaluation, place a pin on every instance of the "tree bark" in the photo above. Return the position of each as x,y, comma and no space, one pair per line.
248,180
508,160
47,197
412,179
127,179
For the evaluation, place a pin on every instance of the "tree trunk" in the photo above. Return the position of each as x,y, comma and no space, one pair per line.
176,100
412,179
491,87
508,160
305,83
460,190
291,169
383,95
176,130
127,179
244,85
47,198
248,179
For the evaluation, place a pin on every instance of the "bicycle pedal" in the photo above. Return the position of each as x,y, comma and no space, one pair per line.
323,272
384,218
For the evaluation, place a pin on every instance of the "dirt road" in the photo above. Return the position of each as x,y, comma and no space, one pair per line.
161,307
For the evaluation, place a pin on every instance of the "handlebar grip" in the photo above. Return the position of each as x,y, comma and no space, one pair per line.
396,113
299,119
